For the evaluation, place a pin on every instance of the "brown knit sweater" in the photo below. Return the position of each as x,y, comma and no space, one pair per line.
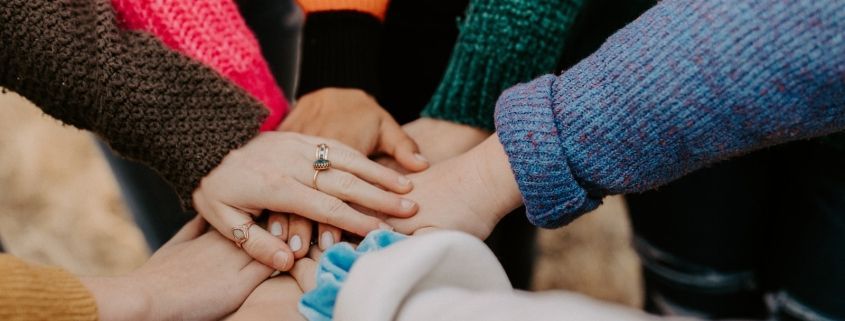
29,292
149,103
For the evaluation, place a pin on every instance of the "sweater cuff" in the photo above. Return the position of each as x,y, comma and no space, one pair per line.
340,49
30,292
526,126
335,264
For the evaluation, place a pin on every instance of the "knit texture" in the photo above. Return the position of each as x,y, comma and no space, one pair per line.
687,84
501,43
375,8
29,292
148,102
340,49
214,33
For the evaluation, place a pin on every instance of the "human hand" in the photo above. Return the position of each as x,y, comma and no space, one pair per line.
354,118
274,172
471,193
439,139
194,276
274,299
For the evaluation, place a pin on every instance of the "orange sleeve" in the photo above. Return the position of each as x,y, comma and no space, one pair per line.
377,8
30,292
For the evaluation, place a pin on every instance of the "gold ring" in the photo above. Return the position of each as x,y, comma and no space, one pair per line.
322,162
241,233
314,180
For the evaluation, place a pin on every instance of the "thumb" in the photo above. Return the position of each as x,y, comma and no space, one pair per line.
190,231
396,143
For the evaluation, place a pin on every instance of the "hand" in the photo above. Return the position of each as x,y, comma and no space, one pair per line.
275,299
274,172
440,140
471,192
354,118
195,276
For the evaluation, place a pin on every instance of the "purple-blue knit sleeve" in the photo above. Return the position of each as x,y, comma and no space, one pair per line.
687,84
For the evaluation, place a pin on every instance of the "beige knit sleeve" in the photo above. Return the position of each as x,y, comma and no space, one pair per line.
31,292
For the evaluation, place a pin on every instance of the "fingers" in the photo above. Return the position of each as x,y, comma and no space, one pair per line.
277,224
346,159
323,208
395,142
328,236
260,245
255,272
304,274
300,235
350,188
194,228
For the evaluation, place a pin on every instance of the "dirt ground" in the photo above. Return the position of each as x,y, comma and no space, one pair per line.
60,205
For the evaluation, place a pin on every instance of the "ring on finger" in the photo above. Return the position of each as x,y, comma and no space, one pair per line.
241,233
321,163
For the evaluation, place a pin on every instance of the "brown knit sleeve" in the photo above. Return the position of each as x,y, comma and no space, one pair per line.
30,292
149,103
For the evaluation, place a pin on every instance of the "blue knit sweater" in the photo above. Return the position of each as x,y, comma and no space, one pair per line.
686,84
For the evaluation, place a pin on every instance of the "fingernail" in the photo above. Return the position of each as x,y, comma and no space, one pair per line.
295,243
276,229
280,260
407,204
421,158
404,181
384,226
275,273
326,240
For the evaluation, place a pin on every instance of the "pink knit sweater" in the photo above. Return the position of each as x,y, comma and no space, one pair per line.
214,33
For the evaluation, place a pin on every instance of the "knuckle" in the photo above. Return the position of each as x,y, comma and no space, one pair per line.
334,211
346,183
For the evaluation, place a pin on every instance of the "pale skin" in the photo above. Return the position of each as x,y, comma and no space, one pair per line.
274,172
354,118
170,286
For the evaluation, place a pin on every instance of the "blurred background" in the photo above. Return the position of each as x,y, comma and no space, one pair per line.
60,205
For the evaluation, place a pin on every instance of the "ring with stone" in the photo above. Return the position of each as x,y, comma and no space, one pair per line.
322,162
241,233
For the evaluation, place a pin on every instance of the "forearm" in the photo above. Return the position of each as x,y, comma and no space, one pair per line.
687,84
497,48
147,102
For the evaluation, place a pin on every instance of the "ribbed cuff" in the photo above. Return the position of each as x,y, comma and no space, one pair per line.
495,51
526,126
29,292
340,49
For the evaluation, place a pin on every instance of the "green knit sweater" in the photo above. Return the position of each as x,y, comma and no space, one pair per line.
501,43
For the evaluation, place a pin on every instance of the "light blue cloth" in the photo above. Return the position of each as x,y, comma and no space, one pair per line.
335,264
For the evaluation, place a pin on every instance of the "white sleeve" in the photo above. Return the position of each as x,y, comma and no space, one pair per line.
449,275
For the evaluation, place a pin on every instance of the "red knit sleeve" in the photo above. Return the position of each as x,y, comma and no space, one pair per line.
214,33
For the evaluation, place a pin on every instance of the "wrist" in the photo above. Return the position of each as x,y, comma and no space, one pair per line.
494,171
119,298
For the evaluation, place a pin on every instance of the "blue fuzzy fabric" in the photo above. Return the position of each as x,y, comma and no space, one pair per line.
335,264
687,84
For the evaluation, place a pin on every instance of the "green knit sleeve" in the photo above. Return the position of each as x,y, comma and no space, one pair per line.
501,43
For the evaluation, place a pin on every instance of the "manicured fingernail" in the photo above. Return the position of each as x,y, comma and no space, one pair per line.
295,243
276,229
421,158
384,226
280,260
404,181
326,240
407,204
